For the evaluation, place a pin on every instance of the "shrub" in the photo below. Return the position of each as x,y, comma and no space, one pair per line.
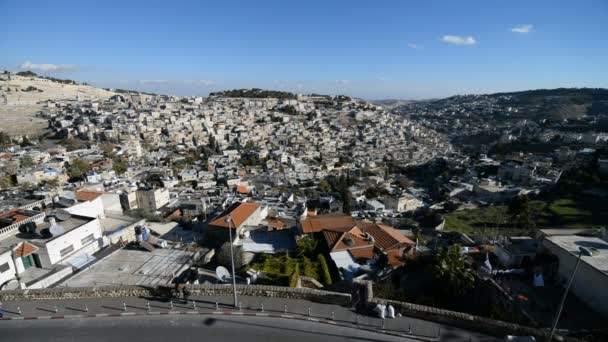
324,270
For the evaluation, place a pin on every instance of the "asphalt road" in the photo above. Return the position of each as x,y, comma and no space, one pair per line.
216,307
183,328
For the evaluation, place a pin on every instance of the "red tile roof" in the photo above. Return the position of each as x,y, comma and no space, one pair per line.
88,195
385,237
25,249
240,212
315,224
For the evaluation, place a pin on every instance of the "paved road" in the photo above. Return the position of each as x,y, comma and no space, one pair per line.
183,328
220,308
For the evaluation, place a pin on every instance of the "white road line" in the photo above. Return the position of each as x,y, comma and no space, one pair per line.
261,314
44,317
102,315
73,316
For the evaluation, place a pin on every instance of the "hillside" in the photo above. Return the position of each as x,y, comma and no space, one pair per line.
21,97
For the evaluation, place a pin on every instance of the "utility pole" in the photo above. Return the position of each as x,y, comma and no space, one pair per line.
582,251
230,223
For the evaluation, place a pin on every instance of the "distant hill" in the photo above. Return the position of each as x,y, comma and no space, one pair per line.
551,104
391,103
560,103
255,93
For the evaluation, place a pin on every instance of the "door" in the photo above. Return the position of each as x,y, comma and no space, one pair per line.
27,262
37,260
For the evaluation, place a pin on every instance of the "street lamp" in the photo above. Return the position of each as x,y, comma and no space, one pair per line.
228,220
582,251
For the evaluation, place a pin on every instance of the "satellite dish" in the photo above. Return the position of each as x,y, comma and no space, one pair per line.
222,274
62,215
31,227
56,230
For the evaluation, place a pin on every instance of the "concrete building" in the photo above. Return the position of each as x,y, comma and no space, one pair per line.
591,281
153,198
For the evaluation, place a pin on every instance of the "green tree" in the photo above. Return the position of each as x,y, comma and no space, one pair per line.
120,166
78,168
26,162
324,185
521,213
223,256
451,274
307,246
5,139
6,182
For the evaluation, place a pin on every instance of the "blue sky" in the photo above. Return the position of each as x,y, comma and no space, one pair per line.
371,49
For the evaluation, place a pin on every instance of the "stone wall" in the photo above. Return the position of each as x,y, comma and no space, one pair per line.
204,290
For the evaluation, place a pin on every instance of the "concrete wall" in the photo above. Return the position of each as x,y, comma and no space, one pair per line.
6,258
590,285
92,208
210,290
73,237
52,279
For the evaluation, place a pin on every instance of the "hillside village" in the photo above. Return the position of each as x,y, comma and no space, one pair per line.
315,191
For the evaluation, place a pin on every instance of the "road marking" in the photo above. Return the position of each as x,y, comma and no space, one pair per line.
330,322
287,316
73,316
127,314
217,312
261,314
237,313
102,315
153,313
14,318
313,319
173,312
192,312
44,317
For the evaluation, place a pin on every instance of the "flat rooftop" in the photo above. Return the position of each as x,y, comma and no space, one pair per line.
571,243
71,223
133,267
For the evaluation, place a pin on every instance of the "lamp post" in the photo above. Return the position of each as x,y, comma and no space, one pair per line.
582,251
230,222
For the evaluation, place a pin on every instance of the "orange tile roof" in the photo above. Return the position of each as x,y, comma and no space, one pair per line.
19,217
277,224
25,249
242,189
319,223
385,237
240,212
6,156
88,195
362,253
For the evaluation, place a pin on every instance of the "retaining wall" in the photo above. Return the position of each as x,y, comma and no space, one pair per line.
204,290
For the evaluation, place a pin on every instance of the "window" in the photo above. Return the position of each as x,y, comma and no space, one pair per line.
87,239
4,267
66,251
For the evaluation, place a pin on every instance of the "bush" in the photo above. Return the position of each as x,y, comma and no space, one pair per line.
293,281
324,270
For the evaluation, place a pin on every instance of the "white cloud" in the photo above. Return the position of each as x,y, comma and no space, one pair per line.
415,46
458,40
48,67
523,29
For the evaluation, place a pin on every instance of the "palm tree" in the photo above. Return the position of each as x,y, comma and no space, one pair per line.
450,272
